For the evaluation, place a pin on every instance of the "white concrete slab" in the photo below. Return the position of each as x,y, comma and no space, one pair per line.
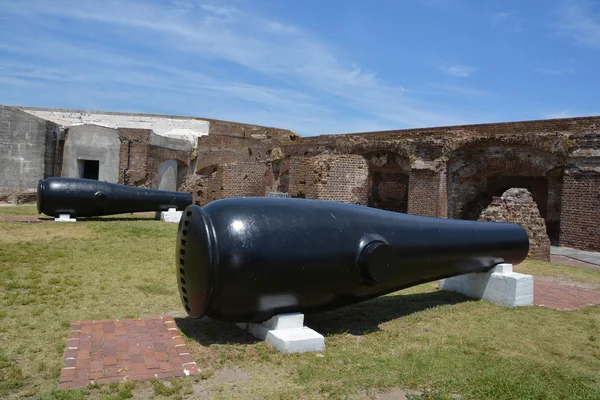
287,334
163,125
64,218
172,215
500,286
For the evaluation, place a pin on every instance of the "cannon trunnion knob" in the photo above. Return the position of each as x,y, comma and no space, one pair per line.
377,262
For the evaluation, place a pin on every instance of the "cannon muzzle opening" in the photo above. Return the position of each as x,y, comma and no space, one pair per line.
247,259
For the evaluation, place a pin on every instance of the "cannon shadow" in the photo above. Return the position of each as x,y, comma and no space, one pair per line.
104,219
364,318
357,319
108,219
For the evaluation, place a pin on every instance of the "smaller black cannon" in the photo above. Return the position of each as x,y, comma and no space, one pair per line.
91,198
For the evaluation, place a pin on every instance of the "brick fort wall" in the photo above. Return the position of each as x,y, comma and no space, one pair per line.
580,216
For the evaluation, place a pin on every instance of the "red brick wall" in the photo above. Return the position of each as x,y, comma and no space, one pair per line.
144,158
205,188
245,179
214,150
587,126
343,178
580,216
226,128
137,171
425,193
156,155
443,195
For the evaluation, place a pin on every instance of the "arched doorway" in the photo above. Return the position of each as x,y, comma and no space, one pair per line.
171,174
479,172
388,176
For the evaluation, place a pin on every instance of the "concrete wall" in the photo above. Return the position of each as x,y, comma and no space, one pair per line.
23,150
169,142
91,142
167,175
181,127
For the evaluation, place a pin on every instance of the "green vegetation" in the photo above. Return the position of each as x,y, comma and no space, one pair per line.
439,344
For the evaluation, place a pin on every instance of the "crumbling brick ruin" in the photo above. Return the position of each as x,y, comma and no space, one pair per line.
517,205
447,172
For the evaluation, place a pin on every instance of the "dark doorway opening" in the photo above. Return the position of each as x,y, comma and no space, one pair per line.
496,185
89,169
389,192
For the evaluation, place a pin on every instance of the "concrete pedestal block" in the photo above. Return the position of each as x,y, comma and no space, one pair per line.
287,333
64,218
500,286
171,216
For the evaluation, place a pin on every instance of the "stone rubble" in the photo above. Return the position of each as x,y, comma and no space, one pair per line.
517,205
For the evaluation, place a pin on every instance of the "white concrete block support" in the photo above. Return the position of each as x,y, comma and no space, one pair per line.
500,286
171,216
287,333
64,218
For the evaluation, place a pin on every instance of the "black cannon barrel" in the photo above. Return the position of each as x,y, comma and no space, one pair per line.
247,259
91,198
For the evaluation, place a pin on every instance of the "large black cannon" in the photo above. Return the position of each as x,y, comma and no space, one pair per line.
91,198
247,259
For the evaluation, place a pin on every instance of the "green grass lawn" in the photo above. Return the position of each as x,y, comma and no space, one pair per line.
420,338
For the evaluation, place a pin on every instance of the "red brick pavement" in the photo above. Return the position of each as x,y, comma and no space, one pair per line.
19,218
563,297
123,350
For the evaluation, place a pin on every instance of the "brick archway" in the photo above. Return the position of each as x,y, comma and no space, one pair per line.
477,173
388,180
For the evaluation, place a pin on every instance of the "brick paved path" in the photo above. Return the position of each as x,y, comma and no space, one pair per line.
562,297
123,350
19,218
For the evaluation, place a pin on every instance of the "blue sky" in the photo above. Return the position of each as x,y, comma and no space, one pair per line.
312,66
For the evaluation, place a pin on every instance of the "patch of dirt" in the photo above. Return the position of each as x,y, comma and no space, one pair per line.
392,394
14,233
568,282
143,392
226,378
176,314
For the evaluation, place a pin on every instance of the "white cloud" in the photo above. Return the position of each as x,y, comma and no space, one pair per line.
554,71
500,17
581,21
462,90
462,71
185,53
508,21
559,114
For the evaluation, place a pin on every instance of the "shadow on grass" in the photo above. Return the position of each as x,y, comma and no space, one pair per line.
363,318
207,331
357,319
105,219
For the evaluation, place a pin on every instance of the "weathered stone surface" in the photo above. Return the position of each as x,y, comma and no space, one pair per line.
517,205
27,196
